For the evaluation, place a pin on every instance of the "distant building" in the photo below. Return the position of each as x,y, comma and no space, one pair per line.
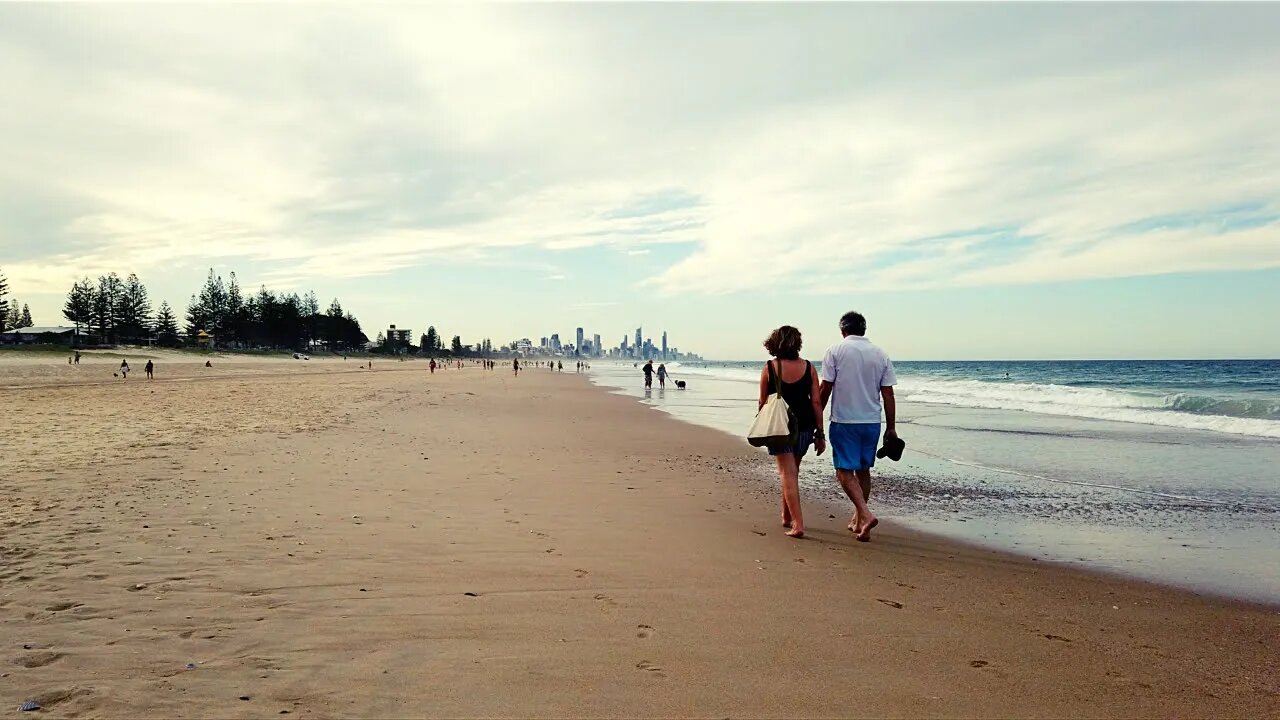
399,339
578,345
52,335
555,343
639,342
664,344
596,347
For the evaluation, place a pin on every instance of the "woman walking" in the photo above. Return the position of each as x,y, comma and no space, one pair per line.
799,385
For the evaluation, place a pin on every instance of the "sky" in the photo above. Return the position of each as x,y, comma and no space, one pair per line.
983,181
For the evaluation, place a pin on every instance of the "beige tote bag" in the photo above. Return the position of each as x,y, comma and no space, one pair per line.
775,424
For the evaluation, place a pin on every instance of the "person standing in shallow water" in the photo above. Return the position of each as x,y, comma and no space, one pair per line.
648,374
800,390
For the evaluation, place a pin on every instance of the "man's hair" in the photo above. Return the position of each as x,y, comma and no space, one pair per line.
784,343
853,323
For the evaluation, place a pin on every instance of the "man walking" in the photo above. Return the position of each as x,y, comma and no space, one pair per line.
858,380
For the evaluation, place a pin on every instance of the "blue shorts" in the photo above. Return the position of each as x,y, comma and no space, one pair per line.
853,445
804,439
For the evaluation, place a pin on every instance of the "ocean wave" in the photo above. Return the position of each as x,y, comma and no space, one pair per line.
1238,416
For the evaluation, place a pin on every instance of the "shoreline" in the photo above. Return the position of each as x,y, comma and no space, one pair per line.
766,476
469,544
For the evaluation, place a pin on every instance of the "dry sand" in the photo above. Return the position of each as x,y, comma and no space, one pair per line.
277,538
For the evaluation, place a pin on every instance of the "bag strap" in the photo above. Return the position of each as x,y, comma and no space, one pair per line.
776,378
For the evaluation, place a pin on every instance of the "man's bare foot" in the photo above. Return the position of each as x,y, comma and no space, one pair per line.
795,533
864,535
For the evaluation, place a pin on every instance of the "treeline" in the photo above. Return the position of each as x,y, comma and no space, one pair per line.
119,311
269,319
11,318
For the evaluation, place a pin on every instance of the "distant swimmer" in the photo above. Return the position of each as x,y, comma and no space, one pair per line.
150,370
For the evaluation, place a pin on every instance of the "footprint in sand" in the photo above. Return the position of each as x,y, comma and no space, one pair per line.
650,667
978,663
40,659
645,631
59,607
581,573
890,603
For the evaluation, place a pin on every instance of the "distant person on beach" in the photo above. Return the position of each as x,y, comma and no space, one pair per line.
77,357
208,363
800,390
857,380
559,366
433,366
150,370
648,374
662,376
124,369
515,366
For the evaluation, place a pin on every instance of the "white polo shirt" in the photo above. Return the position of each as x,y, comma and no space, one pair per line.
857,369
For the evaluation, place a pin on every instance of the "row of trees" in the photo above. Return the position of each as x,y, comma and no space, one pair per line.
11,318
269,319
118,310
432,343
115,310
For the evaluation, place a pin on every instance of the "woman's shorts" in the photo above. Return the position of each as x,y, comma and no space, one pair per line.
803,440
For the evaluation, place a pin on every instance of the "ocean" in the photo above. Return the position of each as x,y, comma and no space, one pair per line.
1164,470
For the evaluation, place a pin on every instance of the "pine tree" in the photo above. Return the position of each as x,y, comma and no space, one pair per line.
236,312
4,304
106,307
26,317
457,345
166,326
431,342
79,306
13,318
134,309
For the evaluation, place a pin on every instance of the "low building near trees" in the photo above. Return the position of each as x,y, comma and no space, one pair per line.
45,335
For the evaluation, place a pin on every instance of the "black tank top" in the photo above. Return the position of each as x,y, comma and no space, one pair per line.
799,396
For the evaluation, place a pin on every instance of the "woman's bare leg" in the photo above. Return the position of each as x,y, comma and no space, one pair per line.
789,473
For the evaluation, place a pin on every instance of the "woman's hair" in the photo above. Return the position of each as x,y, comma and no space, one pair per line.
784,343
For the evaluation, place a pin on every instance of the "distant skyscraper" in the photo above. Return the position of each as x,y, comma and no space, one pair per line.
555,342
639,342
664,344
596,346
578,347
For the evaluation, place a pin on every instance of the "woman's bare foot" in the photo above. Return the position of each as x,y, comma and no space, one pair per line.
864,535
795,533
786,521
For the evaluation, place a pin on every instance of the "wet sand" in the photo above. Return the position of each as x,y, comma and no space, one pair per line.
320,540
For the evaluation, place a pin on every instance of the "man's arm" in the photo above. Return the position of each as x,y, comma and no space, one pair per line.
890,410
825,391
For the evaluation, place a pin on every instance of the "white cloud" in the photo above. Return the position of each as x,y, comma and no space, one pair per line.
804,142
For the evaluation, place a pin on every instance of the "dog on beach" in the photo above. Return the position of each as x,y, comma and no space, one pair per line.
680,384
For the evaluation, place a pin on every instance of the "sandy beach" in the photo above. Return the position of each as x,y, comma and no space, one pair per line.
272,537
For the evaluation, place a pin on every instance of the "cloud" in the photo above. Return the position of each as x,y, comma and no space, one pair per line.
896,146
